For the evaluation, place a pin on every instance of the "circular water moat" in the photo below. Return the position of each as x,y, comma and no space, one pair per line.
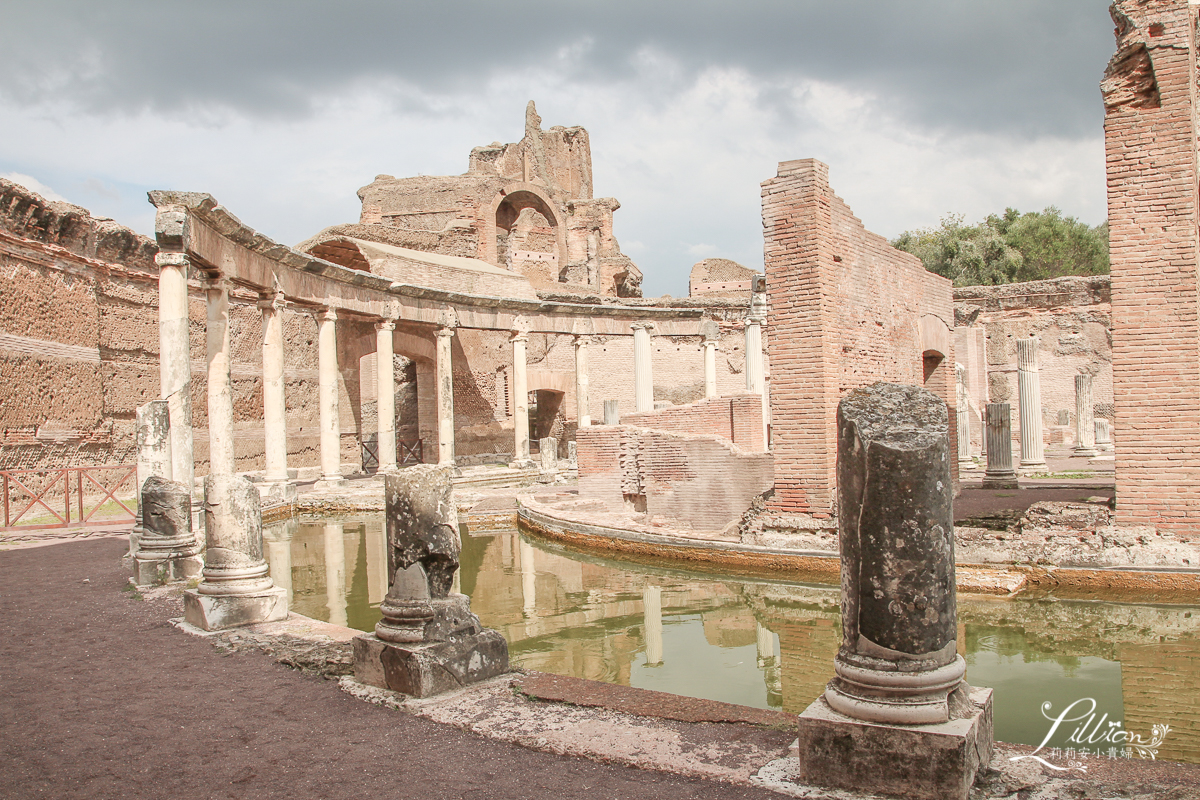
770,643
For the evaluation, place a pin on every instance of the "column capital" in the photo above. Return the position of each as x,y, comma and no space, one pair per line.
214,281
582,340
386,325
519,336
172,260
328,315
445,332
642,326
269,301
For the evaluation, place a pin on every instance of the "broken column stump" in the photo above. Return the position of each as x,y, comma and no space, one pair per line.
897,719
167,549
237,588
428,641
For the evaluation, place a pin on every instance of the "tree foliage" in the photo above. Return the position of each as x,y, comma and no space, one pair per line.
1009,247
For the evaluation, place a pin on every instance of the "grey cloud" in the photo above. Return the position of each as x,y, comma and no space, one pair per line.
1029,67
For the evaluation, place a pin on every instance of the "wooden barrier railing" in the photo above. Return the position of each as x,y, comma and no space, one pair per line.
63,489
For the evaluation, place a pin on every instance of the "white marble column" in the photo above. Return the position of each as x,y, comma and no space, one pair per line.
220,388
652,617
997,430
755,375
175,362
1085,418
445,396
1029,396
327,400
710,366
520,399
275,485
963,412
582,415
643,367
385,380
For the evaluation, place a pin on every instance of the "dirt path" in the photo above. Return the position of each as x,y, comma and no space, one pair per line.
101,698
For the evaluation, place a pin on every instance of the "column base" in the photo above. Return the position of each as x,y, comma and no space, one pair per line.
521,463
1032,466
325,484
921,762
157,568
275,493
426,669
1085,452
1000,481
220,611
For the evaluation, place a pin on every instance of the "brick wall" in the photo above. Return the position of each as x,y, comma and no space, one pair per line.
1150,147
847,309
699,480
736,419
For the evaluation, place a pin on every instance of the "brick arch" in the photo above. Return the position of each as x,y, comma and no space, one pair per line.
508,203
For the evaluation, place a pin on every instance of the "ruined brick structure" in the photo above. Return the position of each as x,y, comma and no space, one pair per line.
1151,144
526,207
855,310
1072,318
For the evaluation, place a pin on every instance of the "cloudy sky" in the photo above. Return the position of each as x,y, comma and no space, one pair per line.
283,109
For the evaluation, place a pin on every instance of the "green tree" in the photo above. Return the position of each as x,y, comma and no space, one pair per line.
1009,247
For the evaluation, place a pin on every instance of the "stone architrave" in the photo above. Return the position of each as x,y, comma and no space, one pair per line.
962,415
997,431
1085,418
612,412
428,641
1103,434
897,718
167,548
236,588
643,367
1029,398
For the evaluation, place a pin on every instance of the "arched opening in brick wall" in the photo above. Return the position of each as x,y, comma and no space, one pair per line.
524,232
545,415
343,252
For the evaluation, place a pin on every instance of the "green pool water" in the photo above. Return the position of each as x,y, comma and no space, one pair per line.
768,644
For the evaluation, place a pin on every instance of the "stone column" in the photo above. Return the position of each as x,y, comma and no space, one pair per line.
236,589
643,367
163,544
153,433
1029,393
612,412
710,366
582,415
997,431
755,380
175,362
1103,435
1085,418
898,668
276,487
652,617
220,385
385,381
521,459
327,401
964,420
445,396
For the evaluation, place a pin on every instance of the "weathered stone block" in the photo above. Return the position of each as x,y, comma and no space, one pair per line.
920,762
215,612
430,668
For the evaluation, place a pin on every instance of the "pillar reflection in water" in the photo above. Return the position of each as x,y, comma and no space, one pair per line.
528,580
335,572
768,662
278,541
652,611
377,577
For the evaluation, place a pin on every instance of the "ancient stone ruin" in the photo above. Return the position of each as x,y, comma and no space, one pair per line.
428,641
898,718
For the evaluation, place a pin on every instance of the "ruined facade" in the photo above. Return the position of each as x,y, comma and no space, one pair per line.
526,207
1150,129
856,311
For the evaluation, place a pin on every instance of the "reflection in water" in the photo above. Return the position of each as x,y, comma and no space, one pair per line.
757,643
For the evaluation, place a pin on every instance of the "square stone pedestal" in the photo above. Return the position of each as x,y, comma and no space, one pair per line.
423,669
215,612
921,762
274,493
157,571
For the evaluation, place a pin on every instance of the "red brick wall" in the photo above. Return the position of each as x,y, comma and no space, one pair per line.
737,419
697,480
845,309
1150,144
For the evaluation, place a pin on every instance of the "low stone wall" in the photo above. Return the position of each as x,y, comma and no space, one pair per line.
699,481
736,419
